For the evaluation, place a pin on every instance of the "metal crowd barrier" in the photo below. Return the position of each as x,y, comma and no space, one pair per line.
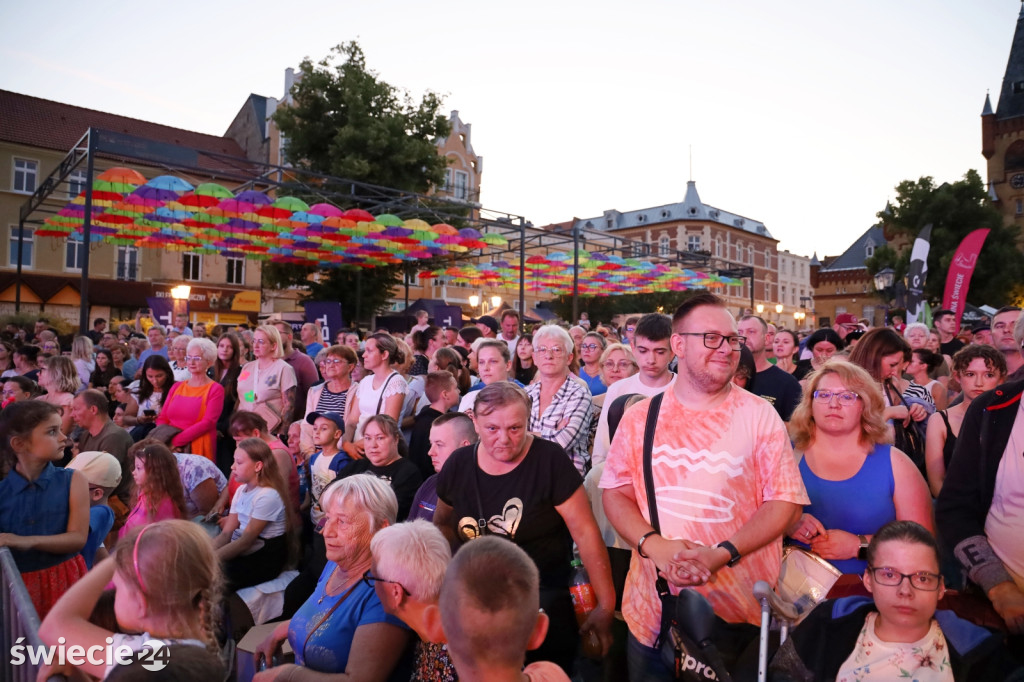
20,621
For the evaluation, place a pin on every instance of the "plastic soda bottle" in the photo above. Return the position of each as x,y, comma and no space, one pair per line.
583,602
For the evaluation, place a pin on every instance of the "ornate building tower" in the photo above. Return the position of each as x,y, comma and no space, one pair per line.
1002,135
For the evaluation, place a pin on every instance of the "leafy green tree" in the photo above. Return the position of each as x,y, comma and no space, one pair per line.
348,123
954,210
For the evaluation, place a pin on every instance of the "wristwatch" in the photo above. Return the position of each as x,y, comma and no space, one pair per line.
734,554
862,552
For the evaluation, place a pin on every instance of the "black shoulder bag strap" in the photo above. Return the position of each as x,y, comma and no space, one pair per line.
652,505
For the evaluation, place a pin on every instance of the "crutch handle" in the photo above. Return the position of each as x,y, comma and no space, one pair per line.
764,593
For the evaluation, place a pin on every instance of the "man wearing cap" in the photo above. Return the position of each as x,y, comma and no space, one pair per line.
981,334
103,472
487,325
844,324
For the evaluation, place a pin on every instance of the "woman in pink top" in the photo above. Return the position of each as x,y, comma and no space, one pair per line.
194,406
158,483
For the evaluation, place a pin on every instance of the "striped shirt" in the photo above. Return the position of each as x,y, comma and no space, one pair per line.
566,420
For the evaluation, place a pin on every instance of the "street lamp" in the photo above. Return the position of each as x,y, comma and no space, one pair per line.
884,279
760,308
778,308
495,301
800,316
474,300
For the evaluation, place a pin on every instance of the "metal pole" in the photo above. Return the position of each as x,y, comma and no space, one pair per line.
575,274
405,272
359,292
522,271
17,280
752,290
83,314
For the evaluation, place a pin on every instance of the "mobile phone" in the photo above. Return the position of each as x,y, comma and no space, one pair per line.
149,413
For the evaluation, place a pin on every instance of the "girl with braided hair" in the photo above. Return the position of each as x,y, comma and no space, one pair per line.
167,579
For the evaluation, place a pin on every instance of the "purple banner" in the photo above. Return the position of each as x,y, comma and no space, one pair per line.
328,313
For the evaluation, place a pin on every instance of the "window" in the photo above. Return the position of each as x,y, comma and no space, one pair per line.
768,259
191,267
693,242
27,249
76,184
663,246
25,175
639,250
718,248
236,270
869,249
128,263
750,255
74,253
461,185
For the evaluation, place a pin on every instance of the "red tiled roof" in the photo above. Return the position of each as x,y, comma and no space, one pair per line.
53,125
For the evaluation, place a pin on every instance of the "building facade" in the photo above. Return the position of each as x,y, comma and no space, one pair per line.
729,239
35,135
842,283
796,295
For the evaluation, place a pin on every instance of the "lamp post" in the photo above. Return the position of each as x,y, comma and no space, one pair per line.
760,308
495,302
474,301
884,279
804,300
180,295
778,313
800,316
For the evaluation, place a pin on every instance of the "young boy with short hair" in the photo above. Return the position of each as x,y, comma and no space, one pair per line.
103,472
442,391
490,613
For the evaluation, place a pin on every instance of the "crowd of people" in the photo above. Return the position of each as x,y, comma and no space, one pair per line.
430,490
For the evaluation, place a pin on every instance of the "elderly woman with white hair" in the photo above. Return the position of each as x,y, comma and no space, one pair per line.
561,410
409,563
343,627
917,335
194,406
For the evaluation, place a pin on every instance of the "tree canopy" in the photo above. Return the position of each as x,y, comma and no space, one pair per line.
954,210
346,122
604,308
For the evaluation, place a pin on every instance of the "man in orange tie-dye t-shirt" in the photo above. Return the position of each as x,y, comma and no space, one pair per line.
725,479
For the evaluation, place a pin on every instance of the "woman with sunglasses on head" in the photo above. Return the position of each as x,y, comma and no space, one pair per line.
841,440
898,632
342,627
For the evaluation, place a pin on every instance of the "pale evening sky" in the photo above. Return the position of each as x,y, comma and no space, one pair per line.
800,114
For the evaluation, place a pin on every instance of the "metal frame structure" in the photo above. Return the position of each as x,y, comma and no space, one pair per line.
105,148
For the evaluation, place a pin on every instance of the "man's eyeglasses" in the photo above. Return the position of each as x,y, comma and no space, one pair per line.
845,397
714,340
589,346
556,351
922,580
370,580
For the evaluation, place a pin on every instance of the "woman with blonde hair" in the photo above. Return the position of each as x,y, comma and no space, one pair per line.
617,363
842,441
81,355
61,381
267,385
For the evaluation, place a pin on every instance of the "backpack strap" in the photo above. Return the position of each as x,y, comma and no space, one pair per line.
652,504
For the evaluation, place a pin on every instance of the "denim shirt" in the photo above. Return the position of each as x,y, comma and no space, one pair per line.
39,507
